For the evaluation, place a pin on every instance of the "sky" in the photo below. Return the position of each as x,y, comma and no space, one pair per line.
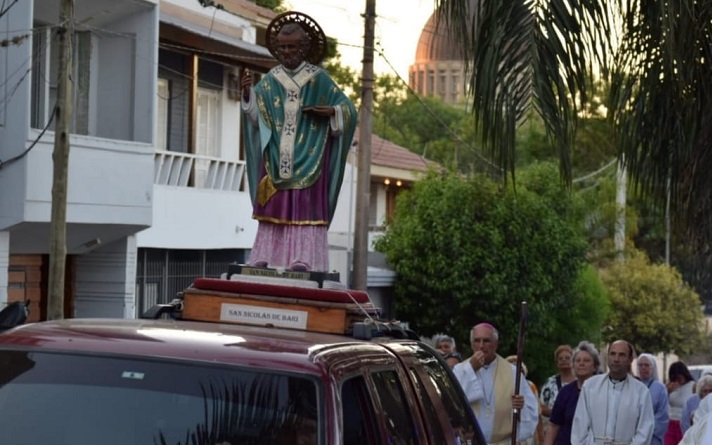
398,27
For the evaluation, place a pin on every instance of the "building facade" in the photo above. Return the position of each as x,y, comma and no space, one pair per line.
157,187
110,187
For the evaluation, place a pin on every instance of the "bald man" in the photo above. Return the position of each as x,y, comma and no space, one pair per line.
488,381
614,408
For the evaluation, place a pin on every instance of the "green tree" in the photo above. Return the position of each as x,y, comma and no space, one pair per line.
467,251
544,57
652,306
274,5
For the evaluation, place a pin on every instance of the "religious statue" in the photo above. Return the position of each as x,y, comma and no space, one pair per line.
298,128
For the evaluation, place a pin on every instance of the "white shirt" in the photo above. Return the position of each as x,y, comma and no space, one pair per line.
478,386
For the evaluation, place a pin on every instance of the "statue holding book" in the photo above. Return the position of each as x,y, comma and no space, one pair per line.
298,128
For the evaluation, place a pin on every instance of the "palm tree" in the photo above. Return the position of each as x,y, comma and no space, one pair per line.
544,56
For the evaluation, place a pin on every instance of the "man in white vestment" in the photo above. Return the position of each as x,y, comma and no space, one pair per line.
614,408
700,433
488,381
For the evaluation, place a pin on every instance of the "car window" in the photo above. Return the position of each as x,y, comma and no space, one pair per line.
462,418
433,425
358,417
66,399
396,413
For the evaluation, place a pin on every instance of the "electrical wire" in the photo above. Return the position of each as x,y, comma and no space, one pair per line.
4,10
32,145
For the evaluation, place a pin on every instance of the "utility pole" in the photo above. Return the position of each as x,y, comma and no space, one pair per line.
363,185
60,159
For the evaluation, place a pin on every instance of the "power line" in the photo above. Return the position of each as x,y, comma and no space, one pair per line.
596,173
4,10
32,145
438,119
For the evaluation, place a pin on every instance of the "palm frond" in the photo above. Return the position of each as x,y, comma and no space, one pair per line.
524,55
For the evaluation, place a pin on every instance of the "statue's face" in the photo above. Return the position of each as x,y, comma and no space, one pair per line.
290,49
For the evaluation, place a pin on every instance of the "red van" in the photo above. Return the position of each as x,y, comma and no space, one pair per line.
173,382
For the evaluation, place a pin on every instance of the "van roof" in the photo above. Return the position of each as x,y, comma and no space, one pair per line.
265,347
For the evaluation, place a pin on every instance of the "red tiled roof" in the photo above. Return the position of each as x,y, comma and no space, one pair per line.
388,154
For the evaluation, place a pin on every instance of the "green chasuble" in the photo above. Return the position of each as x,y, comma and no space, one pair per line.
290,143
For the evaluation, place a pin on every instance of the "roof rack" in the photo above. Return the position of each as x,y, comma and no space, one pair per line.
269,304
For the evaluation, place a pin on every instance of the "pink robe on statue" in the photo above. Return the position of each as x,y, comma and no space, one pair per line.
293,226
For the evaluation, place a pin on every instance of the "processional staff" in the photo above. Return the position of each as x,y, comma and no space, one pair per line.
520,353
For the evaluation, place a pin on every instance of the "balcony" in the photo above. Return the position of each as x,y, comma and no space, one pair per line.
198,171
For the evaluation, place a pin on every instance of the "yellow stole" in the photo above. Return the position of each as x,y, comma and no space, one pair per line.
501,400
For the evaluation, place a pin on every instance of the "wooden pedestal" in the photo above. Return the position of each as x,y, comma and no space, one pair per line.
260,310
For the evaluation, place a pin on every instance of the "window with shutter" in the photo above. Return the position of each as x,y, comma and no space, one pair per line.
206,143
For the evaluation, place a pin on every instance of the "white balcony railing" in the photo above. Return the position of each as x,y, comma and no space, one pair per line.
176,169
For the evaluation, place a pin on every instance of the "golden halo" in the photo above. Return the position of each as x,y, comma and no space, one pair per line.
317,51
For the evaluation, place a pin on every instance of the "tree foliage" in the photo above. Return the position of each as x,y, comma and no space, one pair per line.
545,57
275,5
467,251
653,307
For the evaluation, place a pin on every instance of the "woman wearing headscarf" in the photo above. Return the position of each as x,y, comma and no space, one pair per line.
680,383
648,374
586,363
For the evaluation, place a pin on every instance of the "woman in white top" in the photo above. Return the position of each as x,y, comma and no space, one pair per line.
680,384
701,430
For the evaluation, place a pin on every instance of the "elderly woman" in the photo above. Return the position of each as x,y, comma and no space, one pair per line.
446,347
586,363
703,387
648,374
550,389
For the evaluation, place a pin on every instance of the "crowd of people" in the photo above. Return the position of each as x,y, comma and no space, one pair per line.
582,403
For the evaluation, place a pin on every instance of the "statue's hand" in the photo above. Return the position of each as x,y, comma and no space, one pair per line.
246,83
320,110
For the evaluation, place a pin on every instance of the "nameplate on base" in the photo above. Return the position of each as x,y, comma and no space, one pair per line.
283,318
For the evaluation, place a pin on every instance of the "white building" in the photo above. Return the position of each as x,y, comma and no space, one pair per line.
157,186
110,187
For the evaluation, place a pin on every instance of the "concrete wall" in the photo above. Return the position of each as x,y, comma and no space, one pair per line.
109,182
190,218
127,90
14,109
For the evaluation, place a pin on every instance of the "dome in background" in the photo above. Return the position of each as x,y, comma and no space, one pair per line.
435,43
439,67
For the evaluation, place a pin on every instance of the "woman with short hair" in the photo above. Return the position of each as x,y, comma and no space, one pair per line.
586,363
703,387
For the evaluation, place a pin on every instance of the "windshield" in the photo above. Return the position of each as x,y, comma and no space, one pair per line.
65,399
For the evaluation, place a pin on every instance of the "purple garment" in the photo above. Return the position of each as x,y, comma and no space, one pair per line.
293,225
562,414
303,206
